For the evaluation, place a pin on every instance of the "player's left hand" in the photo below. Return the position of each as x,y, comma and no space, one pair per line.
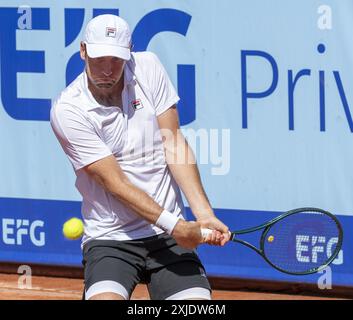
220,234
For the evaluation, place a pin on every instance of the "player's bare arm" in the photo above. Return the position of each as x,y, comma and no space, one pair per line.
109,175
182,164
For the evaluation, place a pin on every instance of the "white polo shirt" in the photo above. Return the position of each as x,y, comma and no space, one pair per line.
88,131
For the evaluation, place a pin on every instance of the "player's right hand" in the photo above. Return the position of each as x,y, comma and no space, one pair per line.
187,234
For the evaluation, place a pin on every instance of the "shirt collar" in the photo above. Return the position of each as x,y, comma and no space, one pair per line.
129,74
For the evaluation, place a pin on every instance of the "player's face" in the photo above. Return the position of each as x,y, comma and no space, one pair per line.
104,72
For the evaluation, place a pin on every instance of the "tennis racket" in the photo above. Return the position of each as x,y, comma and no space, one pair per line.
298,242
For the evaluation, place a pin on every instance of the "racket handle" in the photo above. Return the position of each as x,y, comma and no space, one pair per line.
205,232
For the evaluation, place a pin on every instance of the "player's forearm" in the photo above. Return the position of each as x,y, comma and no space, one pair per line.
182,164
139,201
135,199
107,173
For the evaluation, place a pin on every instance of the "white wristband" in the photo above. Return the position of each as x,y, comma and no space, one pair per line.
167,221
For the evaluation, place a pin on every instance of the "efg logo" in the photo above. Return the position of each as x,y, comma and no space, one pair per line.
16,231
310,249
26,19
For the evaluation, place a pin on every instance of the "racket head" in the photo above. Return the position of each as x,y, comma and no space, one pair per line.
302,241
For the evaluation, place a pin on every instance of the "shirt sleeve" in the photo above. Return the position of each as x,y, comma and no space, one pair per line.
77,136
163,91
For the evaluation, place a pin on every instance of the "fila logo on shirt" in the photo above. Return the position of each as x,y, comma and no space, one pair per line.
110,32
137,104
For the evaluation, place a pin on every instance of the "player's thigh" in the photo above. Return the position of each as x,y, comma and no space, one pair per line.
110,273
180,281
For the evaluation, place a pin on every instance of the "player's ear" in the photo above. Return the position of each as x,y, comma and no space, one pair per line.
83,50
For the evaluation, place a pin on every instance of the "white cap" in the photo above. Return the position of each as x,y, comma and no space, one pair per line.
108,35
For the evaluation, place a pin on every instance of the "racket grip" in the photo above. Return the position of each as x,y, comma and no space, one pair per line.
205,232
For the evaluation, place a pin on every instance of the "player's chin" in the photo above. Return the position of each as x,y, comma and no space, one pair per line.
106,85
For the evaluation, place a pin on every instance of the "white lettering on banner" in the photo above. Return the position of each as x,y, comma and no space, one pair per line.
41,241
317,248
325,20
22,230
300,248
307,254
14,232
339,259
7,232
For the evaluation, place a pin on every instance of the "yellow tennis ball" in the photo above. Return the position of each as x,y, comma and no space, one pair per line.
271,238
73,228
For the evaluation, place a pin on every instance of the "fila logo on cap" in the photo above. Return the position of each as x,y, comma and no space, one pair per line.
137,104
110,32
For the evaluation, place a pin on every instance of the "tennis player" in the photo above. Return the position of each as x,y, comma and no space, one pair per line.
118,125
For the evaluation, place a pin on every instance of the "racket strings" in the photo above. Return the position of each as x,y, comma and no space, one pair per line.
301,242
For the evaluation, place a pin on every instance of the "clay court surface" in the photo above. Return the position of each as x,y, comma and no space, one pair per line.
52,288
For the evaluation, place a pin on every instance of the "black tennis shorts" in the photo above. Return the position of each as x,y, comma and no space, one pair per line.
157,261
